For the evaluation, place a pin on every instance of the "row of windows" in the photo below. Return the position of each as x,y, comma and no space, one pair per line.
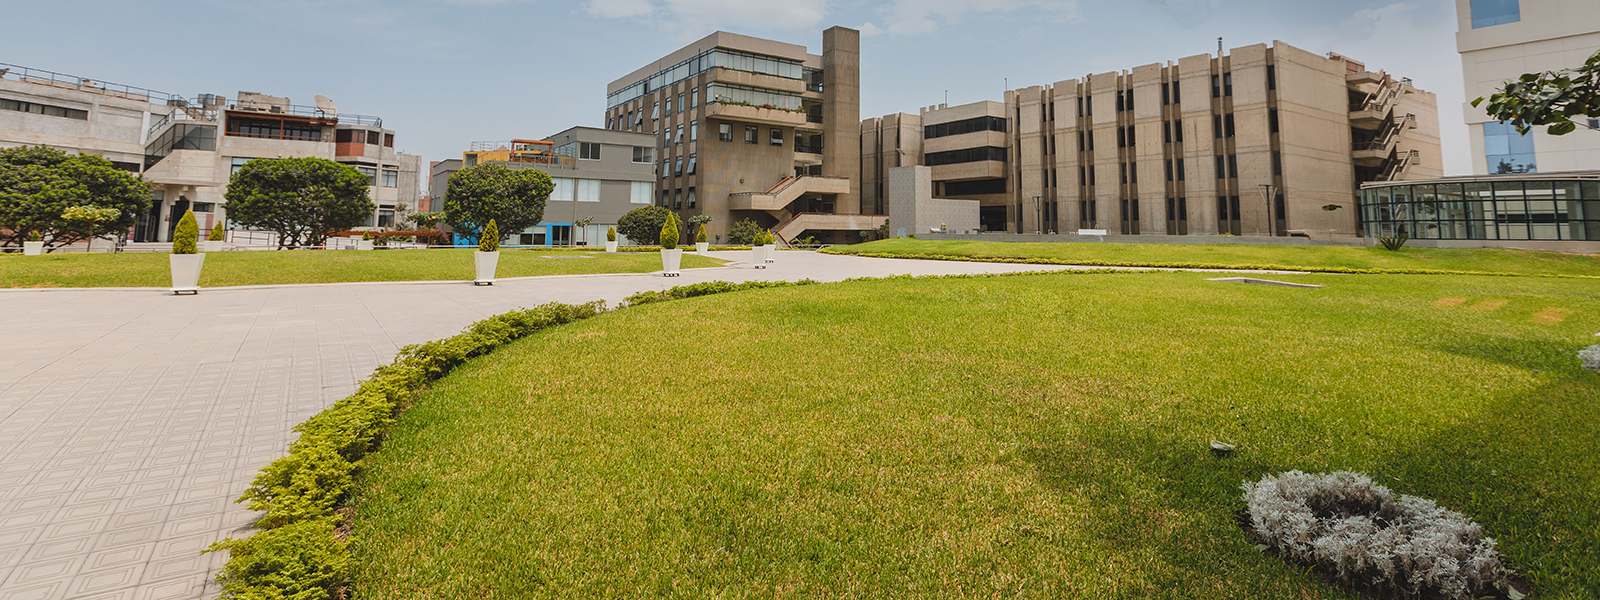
673,199
585,150
972,125
346,136
1507,210
44,109
277,129
717,57
975,187
676,165
965,155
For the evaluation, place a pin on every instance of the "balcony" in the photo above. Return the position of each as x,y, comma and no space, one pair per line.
759,80
755,114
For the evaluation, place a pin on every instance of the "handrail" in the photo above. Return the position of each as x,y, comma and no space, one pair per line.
82,84
1387,136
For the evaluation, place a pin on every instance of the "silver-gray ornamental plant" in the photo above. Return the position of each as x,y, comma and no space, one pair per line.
1362,534
1590,357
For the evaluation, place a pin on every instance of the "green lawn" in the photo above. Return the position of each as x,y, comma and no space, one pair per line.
142,269
1039,436
1523,262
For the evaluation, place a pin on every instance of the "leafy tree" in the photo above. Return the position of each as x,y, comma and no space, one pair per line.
582,226
89,216
744,233
303,200
425,219
644,223
1551,98
39,185
477,195
669,234
186,237
490,240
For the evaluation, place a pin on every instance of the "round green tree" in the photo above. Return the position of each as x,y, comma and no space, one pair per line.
643,224
744,233
303,200
39,185
514,198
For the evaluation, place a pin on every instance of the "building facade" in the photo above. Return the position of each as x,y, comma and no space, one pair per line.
1263,140
599,174
1546,211
188,148
746,128
1500,40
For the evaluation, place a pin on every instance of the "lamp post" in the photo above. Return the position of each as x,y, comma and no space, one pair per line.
1038,206
1267,190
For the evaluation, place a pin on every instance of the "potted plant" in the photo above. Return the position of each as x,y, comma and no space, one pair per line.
34,246
758,251
365,243
488,255
700,244
671,254
186,258
770,240
611,239
214,241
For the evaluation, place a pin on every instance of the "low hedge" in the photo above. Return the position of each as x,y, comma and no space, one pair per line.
844,251
706,289
298,554
658,248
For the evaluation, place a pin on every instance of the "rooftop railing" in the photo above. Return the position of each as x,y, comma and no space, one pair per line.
82,84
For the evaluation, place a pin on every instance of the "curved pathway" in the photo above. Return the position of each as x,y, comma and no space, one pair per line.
130,419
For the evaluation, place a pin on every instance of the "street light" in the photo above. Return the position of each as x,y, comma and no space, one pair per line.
1267,190
1038,206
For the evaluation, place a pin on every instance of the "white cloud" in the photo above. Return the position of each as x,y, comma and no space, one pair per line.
914,17
869,28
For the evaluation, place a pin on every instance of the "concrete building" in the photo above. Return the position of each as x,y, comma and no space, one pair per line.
187,149
753,128
1500,40
1264,140
598,173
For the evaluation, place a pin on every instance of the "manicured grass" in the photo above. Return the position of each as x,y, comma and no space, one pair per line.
1040,436
1522,262
142,269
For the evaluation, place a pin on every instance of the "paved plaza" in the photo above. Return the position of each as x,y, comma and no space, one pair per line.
130,419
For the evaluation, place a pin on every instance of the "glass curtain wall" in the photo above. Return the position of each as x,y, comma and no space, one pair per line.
1481,210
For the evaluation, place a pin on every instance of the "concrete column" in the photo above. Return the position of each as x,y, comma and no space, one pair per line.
841,112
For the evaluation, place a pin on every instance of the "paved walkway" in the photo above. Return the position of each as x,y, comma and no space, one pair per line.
130,419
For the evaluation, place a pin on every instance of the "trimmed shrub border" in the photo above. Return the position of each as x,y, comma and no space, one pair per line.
302,548
843,251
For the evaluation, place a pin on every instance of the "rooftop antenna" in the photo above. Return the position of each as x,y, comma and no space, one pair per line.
1219,47
947,96
325,105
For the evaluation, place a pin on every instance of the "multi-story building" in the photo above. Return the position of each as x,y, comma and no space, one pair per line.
1264,140
752,128
1500,40
187,149
887,142
598,174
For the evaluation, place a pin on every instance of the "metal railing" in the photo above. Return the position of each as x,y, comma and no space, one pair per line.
82,84
1387,136
182,110
808,148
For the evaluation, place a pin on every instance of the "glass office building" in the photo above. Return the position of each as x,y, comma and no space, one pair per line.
1550,206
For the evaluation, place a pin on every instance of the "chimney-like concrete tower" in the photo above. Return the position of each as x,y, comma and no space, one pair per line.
841,112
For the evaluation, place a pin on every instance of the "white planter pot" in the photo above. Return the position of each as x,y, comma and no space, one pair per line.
32,248
211,246
701,247
186,272
772,249
758,257
485,263
611,246
670,259
363,244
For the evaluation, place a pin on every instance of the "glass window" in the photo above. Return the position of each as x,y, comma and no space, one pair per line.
1507,151
777,137
680,103
203,207
750,133
386,218
588,151
677,167
643,154
691,164
1488,13
391,178
563,190
678,139
238,161
639,192
371,173
588,190
725,132
694,131
691,198
694,98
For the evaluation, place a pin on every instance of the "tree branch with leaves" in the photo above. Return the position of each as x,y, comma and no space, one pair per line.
1551,99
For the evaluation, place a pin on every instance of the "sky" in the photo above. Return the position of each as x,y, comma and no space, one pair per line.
445,73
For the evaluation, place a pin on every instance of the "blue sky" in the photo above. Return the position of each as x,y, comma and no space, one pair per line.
444,73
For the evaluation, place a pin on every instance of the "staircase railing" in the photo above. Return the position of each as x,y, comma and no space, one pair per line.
1398,166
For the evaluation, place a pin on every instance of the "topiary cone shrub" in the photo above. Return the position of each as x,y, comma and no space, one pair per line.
217,233
611,234
186,238
700,236
669,234
1359,533
489,239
